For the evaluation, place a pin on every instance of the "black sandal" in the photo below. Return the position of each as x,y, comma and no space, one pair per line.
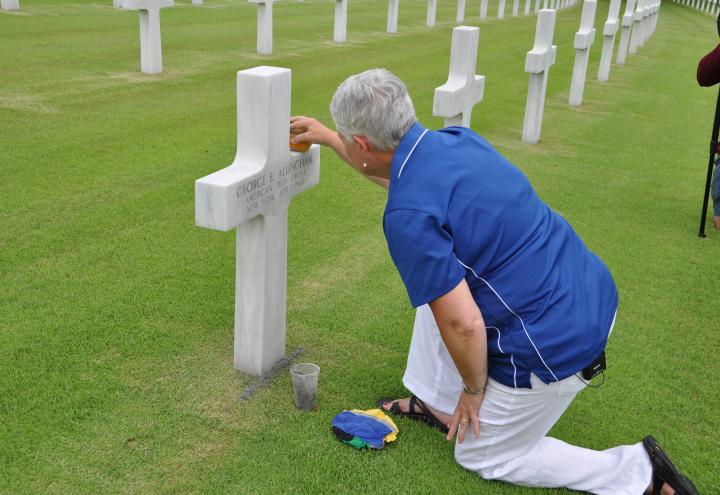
424,416
664,471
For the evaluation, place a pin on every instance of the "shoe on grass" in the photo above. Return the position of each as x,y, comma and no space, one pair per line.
664,471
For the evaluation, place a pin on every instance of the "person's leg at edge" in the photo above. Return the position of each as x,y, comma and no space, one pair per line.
715,193
513,423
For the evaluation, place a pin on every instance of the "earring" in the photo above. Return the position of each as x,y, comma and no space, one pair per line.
364,165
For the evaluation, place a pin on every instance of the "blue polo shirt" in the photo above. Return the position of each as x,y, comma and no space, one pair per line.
458,210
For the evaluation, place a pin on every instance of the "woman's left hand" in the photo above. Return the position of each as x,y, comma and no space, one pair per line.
467,413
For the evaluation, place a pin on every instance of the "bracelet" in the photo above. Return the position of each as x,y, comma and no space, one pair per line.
478,391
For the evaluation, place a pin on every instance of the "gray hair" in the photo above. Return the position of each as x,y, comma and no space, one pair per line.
375,104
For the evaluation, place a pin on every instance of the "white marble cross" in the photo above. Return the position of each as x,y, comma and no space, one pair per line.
455,99
645,22
392,19
527,7
609,31
460,16
431,9
627,22
483,9
253,195
584,39
264,26
10,4
652,19
150,43
501,9
515,8
340,31
538,63
636,27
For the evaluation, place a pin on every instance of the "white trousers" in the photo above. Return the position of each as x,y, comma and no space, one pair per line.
513,445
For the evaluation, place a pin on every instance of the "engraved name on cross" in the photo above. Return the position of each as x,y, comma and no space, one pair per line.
455,99
253,194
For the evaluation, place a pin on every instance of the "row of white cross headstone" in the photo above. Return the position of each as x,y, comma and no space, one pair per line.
711,7
638,24
253,194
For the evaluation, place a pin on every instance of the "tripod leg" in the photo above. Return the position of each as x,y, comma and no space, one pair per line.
713,146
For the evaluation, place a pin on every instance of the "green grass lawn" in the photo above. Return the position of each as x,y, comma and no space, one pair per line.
116,312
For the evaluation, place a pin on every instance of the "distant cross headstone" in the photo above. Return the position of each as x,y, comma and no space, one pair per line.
460,16
501,9
118,4
609,31
647,19
392,19
645,23
537,6
150,42
340,30
483,9
253,195
527,7
627,22
655,12
197,2
538,63
264,26
431,9
455,99
516,8
636,27
10,4
584,39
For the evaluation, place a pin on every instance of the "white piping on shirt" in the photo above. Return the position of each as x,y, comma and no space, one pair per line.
512,361
516,315
411,152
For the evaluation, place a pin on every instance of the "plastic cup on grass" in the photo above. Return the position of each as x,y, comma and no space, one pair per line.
305,381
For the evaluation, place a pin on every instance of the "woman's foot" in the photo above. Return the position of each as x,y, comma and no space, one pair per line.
405,407
666,489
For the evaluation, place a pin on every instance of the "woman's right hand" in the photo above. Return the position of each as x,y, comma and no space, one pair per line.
313,131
